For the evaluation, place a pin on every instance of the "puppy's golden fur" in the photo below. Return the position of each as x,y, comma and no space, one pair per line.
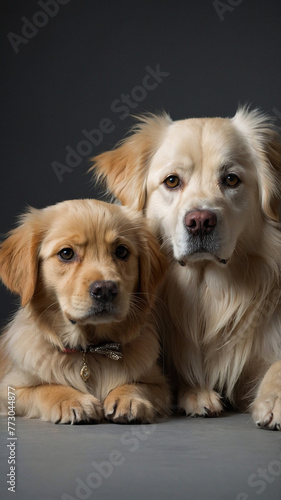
54,261
211,189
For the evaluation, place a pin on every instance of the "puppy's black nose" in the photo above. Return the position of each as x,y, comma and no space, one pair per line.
104,291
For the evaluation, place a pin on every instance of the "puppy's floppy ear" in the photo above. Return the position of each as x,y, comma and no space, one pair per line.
152,265
125,168
265,143
19,257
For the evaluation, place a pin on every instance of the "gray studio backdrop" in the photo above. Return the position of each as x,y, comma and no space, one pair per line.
74,71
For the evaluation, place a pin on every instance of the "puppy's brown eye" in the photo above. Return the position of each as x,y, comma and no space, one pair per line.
122,252
172,181
231,180
66,254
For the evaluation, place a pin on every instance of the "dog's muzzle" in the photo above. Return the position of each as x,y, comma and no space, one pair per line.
202,236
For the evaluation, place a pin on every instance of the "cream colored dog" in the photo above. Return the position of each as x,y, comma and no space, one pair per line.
211,188
82,348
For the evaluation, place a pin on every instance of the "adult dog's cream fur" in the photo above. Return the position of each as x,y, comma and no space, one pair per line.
211,189
86,273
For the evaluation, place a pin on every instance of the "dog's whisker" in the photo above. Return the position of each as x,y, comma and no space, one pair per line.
137,296
47,309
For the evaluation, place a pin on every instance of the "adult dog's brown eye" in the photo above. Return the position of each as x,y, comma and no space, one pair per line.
122,252
66,254
172,181
231,180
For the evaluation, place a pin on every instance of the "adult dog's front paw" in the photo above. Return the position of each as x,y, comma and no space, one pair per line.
266,411
200,402
126,405
266,408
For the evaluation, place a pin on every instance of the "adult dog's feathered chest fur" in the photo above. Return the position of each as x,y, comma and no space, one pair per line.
226,325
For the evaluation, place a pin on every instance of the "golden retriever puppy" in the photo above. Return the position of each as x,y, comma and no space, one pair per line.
211,188
82,346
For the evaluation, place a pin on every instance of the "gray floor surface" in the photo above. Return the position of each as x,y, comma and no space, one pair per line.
224,458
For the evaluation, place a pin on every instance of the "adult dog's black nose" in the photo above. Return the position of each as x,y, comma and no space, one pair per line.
104,291
200,222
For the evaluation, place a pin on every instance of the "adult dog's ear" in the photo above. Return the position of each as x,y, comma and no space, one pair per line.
124,169
152,266
19,257
265,143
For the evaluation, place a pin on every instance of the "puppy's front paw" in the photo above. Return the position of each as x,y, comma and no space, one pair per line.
58,404
266,411
84,408
200,403
126,405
